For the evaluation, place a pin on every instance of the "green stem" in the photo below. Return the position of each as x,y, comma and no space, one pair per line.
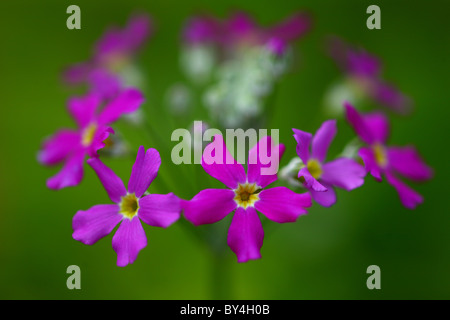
194,231
220,276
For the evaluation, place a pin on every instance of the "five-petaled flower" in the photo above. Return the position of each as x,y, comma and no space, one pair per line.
246,195
130,208
71,146
380,160
319,177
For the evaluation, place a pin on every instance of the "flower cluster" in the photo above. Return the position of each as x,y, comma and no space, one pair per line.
244,58
247,194
251,59
107,99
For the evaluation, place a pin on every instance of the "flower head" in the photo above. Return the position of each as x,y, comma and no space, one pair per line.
112,52
379,159
245,58
318,176
129,209
71,146
240,30
363,71
246,194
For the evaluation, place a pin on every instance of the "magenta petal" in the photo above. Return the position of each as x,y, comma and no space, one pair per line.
240,25
310,182
292,28
378,125
391,97
144,171
110,181
109,45
246,234
218,163
303,141
91,225
71,173
137,31
322,139
362,63
276,46
407,162
159,210
77,73
83,109
368,156
358,124
409,198
263,162
127,101
343,173
281,204
98,142
56,148
128,241
201,29
104,83
209,206
326,198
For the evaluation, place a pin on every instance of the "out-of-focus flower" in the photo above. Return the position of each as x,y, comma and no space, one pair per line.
289,172
108,69
363,80
240,30
130,208
71,146
318,176
198,62
115,146
178,99
245,58
239,95
379,159
246,195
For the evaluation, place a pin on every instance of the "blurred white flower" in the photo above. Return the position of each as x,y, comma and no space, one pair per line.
178,98
338,93
115,146
242,84
198,62
289,173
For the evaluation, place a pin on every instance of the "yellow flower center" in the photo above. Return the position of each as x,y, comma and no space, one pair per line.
88,134
117,62
246,195
109,142
129,206
314,168
380,155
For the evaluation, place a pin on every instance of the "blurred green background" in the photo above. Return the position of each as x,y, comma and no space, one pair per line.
324,255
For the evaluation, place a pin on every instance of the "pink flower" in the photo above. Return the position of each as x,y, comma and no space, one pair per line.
365,70
116,48
380,159
130,208
246,194
320,177
71,146
240,29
